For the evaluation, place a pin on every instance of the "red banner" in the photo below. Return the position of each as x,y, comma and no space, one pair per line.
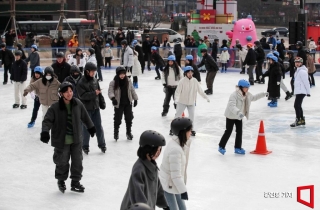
207,16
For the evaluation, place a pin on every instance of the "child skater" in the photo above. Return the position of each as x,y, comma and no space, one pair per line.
186,95
144,184
238,107
224,58
107,54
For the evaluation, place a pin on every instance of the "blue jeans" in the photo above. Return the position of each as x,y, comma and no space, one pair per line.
96,119
174,201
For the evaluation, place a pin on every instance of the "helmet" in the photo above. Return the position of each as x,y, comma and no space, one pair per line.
3,45
135,42
38,69
107,45
91,50
188,68
269,55
34,47
276,53
119,69
60,55
250,45
225,48
274,58
243,83
153,48
189,57
290,52
152,138
179,124
19,45
204,50
48,70
94,40
171,58
124,42
17,52
298,59
74,68
90,66
64,87
139,206
299,43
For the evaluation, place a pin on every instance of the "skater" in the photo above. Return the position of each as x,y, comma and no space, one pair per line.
136,69
74,78
291,69
311,68
97,51
237,108
173,169
123,96
61,68
189,62
78,59
242,56
119,37
301,52
33,58
65,118
38,74
250,60
274,73
158,61
201,46
47,87
171,75
260,55
211,67
146,48
127,57
144,184
301,89
186,94
92,56
89,90
177,50
107,54
19,47
7,58
224,59
138,49
215,49
283,71
19,72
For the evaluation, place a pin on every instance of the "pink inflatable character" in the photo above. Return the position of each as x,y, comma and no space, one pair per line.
244,30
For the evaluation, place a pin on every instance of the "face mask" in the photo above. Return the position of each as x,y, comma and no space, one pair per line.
75,76
48,77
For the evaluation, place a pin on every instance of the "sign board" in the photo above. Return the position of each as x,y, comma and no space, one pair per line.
65,33
212,31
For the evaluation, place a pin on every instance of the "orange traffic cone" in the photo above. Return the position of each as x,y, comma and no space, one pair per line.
261,147
182,114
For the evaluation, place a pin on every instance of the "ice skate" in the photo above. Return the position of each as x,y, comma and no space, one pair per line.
257,81
62,186
77,187
163,114
136,87
170,133
116,135
129,136
242,72
103,149
273,104
157,78
193,133
299,123
209,92
15,106
288,96
239,151
221,150
23,106
31,124
86,150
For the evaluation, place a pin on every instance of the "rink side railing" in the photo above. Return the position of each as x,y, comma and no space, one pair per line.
47,55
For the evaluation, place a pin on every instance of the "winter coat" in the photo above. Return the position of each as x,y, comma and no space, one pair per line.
273,41
281,48
136,68
301,82
214,49
130,36
224,56
34,59
119,37
109,38
87,92
116,93
243,54
302,54
32,80
200,47
155,43
74,84
7,57
310,64
144,186
312,45
207,42
250,59
157,60
274,73
97,51
138,49
173,169
196,73
73,42
170,72
177,49
291,67
146,47
10,38
56,121
107,52
236,104
92,59
209,63
48,94
127,59
73,61
19,71
260,55
186,92
62,70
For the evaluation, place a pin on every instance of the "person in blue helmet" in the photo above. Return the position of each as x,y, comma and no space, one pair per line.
107,54
283,71
189,62
157,60
224,59
33,58
138,49
274,74
238,107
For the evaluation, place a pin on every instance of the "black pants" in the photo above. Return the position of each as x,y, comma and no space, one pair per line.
143,64
107,60
228,131
210,79
157,70
32,72
169,93
178,59
61,159
292,84
147,58
311,78
259,70
36,106
7,69
298,105
126,110
224,66
214,56
135,79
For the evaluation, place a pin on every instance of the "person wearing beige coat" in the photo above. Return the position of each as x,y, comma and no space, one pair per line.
311,68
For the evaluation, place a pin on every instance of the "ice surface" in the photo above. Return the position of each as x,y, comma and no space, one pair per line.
226,182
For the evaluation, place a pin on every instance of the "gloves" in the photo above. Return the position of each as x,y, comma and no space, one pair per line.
164,89
241,115
92,131
267,94
308,95
114,101
25,93
278,83
45,137
167,208
135,103
184,196
208,100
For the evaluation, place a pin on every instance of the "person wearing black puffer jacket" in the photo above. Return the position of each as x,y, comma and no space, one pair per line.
7,60
74,78
61,68
260,61
99,58
301,52
291,69
250,60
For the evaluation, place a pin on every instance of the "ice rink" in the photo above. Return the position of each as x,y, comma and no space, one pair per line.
215,182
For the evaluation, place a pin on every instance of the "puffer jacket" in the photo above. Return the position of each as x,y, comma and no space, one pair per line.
243,54
92,59
301,82
48,94
127,59
209,63
62,70
19,71
74,84
32,80
173,170
34,59
116,93
236,104
136,68
87,92
224,56
73,60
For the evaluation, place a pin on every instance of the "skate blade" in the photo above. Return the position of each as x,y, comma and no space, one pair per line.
76,190
62,190
299,126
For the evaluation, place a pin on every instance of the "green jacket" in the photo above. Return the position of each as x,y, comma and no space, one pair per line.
201,46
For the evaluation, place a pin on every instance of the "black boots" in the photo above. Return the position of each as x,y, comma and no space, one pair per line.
116,133
62,186
208,91
288,95
76,186
129,134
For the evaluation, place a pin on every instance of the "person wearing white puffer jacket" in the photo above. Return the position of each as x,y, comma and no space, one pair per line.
173,170
136,69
